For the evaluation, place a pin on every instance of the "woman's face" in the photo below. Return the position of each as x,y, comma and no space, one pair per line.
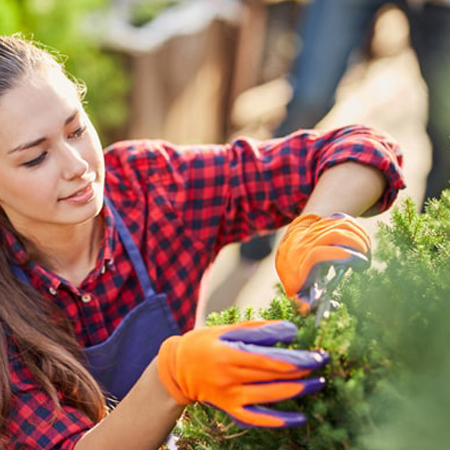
51,160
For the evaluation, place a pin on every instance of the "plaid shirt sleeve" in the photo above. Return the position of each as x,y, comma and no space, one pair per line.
227,193
35,423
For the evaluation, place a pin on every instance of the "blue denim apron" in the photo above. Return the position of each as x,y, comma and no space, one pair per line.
118,362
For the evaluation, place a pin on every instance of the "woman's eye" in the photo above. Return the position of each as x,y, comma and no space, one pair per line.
36,161
78,132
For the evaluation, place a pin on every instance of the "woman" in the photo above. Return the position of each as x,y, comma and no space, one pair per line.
102,256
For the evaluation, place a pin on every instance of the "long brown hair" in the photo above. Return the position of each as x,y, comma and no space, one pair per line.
42,334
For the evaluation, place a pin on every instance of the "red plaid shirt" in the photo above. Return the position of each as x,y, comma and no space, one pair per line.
182,204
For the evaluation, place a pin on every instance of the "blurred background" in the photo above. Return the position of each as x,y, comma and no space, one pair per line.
205,71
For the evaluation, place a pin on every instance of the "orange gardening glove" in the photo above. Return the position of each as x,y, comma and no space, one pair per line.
236,367
312,243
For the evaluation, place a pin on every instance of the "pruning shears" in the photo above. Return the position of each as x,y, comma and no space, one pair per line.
321,291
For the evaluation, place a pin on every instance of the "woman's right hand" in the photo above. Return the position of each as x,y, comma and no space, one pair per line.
312,242
236,367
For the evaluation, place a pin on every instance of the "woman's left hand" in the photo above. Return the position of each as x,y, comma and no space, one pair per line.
237,368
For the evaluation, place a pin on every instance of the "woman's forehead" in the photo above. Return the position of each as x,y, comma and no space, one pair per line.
49,82
36,101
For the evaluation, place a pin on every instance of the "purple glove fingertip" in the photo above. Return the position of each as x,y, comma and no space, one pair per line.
263,335
356,260
312,385
301,359
290,419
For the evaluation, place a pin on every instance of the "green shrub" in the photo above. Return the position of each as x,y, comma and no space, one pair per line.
387,380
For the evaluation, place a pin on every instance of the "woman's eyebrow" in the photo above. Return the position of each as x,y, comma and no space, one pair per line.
42,139
72,117
27,145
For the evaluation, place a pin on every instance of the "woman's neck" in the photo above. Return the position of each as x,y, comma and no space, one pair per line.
70,251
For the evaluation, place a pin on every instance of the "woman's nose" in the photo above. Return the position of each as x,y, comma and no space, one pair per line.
74,165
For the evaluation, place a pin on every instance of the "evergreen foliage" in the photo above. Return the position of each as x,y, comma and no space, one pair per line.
387,380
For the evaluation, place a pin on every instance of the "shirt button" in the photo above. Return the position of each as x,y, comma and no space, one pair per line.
86,298
103,270
52,290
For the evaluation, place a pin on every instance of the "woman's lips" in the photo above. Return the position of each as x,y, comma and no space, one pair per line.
81,196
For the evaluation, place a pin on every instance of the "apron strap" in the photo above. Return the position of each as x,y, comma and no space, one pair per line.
19,273
132,250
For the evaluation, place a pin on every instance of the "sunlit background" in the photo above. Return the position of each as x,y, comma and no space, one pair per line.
203,71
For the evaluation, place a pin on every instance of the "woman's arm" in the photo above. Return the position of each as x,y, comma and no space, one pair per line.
255,185
227,193
350,188
141,421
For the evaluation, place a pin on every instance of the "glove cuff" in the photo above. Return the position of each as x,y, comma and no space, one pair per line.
305,220
166,364
299,223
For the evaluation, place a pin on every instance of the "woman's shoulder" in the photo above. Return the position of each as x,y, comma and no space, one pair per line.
135,154
142,161
160,155
134,148
145,151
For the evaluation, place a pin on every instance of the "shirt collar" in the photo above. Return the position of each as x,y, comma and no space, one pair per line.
14,248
